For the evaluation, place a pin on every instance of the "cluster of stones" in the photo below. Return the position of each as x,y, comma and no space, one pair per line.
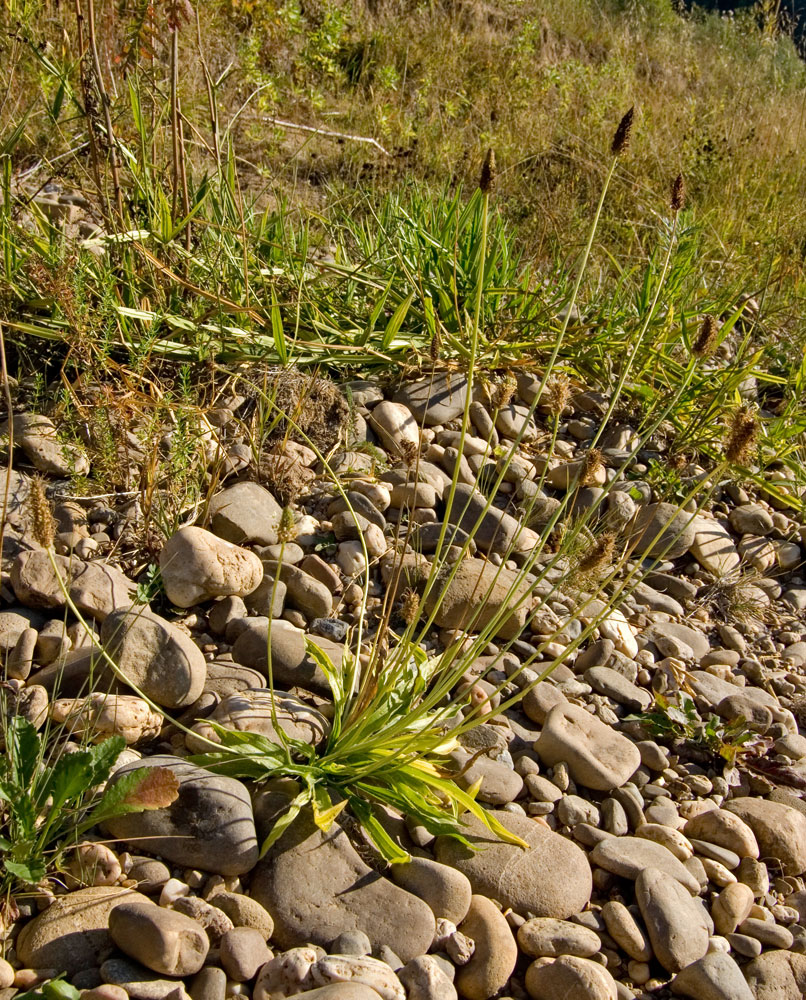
644,868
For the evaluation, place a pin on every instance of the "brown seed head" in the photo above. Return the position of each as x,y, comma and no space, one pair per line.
43,525
409,452
410,606
558,392
592,464
678,198
487,179
503,391
621,139
742,436
599,555
706,338
435,348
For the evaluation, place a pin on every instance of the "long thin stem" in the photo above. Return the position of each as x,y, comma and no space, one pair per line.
106,105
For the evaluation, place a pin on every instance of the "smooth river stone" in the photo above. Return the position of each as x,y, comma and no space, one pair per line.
315,887
550,879
73,934
627,857
675,921
597,756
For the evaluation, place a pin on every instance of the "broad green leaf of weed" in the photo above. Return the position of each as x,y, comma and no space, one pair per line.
58,989
142,789
23,750
103,757
27,871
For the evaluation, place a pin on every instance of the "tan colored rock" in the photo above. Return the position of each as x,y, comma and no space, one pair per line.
726,829
673,840
777,975
255,711
597,756
197,565
545,936
675,921
99,716
243,951
395,426
731,907
72,934
715,976
95,864
570,977
625,931
36,435
495,954
315,885
446,890
713,547
358,969
477,595
155,656
288,974
551,879
163,940
779,829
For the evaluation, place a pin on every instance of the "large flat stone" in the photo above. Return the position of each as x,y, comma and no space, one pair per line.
73,934
209,826
550,879
315,886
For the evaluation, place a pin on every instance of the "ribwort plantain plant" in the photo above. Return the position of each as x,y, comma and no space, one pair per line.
400,705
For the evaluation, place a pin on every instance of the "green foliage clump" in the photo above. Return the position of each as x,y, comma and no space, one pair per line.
49,797
682,723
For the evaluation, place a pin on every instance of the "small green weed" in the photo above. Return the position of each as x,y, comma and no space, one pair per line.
49,798
150,585
388,747
682,723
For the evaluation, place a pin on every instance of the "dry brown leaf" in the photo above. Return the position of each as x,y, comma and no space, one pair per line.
158,788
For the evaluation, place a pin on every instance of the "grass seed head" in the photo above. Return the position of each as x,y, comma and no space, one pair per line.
43,524
287,530
558,392
599,556
503,391
409,453
678,198
435,347
410,606
487,179
621,139
742,436
591,467
706,338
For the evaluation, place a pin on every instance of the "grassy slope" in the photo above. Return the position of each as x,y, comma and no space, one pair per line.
543,81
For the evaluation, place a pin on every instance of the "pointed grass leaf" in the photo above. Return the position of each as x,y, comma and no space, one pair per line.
395,322
374,829
324,812
285,821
